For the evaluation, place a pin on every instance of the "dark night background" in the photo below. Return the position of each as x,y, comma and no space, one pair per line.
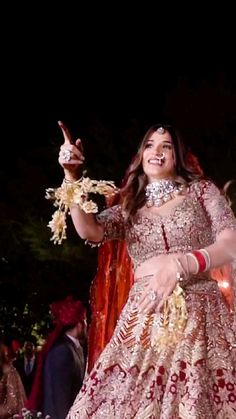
108,96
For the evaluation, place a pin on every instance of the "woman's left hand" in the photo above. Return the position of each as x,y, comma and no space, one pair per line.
160,285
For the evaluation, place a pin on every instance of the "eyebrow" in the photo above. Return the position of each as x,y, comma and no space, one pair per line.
164,141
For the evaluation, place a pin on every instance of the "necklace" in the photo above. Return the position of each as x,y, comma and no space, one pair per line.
162,191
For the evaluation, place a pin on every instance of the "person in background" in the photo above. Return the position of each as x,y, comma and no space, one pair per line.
12,394
173,352
26,365
62,362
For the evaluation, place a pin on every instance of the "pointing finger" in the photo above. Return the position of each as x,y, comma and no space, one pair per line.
66,133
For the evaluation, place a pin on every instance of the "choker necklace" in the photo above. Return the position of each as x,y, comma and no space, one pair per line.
162,191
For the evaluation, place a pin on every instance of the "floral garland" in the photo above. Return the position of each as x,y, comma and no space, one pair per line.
174,320
75,193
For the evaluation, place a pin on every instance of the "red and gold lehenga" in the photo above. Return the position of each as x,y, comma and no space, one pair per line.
193,376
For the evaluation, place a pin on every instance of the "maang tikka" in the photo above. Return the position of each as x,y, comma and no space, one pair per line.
161,130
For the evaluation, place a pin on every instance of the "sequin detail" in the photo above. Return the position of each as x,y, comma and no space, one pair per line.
195,377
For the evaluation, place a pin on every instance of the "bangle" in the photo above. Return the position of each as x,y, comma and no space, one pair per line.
181,276
201,260
187,264
207,259
196,262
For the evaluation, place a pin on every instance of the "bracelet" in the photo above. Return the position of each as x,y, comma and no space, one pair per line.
187,264
207,259
196,262
202,260
180,276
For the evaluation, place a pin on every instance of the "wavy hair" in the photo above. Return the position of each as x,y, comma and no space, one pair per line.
188,170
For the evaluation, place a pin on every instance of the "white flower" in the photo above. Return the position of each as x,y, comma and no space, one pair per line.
90,207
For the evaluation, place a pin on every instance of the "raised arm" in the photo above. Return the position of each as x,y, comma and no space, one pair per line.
71,158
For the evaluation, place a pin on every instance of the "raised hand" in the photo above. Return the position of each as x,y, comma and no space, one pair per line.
71,155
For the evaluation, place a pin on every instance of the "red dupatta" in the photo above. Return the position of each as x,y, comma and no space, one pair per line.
108,295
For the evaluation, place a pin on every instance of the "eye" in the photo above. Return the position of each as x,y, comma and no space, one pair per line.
168,146
148,145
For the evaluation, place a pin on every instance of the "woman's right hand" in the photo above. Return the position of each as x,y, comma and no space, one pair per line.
71,155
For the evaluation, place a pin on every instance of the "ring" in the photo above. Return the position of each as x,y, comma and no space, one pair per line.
66,155
152,295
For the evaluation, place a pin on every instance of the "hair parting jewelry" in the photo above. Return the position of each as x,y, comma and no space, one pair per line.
161,130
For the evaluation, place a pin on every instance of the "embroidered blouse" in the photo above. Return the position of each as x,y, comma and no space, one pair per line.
192,224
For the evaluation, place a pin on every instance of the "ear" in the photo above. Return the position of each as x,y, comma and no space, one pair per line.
79,327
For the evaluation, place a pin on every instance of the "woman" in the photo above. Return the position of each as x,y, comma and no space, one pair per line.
173,351
12,394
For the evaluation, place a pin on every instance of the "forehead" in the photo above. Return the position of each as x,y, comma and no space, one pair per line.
157,137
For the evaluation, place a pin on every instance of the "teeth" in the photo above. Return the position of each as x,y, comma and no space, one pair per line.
155,161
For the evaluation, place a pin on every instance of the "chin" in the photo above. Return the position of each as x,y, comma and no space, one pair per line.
157,176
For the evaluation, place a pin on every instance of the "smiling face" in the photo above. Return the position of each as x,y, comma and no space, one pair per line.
158,158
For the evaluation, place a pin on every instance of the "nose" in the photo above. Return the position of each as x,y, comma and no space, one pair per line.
158,149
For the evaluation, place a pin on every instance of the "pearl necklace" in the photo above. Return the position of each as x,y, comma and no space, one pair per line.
162,191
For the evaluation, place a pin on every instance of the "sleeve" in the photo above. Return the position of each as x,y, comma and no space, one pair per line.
15,395
218,210
113,222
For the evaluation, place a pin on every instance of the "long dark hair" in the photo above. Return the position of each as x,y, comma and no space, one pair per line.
187,168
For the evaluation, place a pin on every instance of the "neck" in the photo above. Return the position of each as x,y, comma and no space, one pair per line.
159,179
